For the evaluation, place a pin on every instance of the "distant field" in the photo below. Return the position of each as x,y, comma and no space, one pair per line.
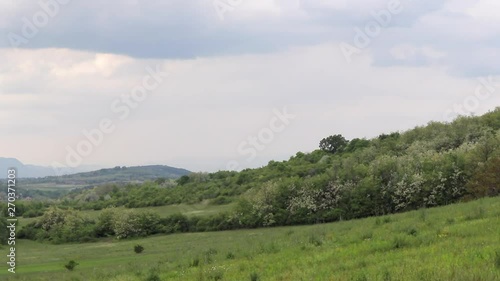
51,186
456,242
202,209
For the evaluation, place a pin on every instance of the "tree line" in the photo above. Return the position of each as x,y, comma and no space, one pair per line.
432,165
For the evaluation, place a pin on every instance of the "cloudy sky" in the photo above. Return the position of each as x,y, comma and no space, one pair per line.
209,85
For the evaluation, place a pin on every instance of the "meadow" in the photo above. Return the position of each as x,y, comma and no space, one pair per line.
455,242
201,209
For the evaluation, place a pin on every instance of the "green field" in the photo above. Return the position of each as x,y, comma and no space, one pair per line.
456,242
189,210
201,209
52,186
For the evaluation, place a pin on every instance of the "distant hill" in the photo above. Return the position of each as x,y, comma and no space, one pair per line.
115,175
34,171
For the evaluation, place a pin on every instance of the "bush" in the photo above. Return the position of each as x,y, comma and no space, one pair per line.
105,222
254,277
71,265
32,213
175,223
138,249
59,226
134,224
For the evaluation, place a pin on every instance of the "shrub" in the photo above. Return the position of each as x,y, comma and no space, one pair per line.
32,213
71,265
133,224
254,276
105,222
59,226
175,223
138,249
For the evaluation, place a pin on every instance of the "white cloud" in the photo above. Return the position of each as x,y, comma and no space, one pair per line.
226,77
208,106
410,52
485,11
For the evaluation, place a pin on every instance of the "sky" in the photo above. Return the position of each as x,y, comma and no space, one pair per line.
212,85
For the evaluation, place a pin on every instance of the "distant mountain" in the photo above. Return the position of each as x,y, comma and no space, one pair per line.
113,175
85,175
33,171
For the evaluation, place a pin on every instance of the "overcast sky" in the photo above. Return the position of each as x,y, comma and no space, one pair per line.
283,71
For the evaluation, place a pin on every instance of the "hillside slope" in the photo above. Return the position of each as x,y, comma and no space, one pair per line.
116,175
458,242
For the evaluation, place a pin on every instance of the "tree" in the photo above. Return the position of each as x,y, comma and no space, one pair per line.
356,144
105,222
486,182
333,144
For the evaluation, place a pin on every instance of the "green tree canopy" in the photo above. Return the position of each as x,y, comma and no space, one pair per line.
333,144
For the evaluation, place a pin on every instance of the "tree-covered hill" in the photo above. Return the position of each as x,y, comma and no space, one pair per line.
439,162
114,175
432,165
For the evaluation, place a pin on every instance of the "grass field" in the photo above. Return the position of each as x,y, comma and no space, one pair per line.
456,242
201,209
52,186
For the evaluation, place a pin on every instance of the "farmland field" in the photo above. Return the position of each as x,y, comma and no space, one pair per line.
455,242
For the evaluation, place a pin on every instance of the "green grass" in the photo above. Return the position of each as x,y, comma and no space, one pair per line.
456,242
201,209
52,186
